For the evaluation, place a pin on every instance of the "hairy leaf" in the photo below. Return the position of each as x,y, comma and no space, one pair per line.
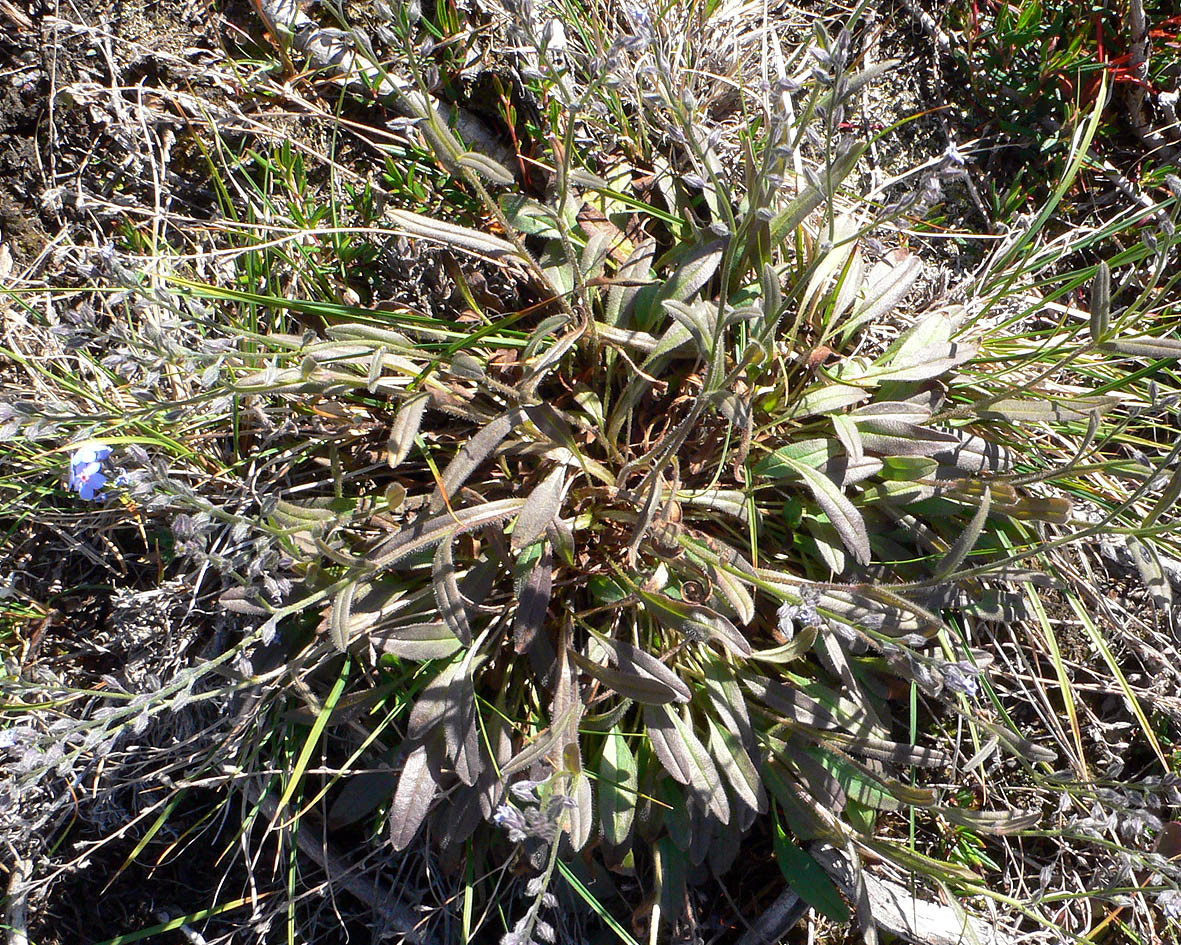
840,511
1100,301
1144,346
694,272
696,622
789,702
966,540
417,641
474,452
728,701
636,268
452,607
426,534
456,237
999,822
433,705
533,601
734,762
338,622
641,688
686,759
530,216
632,660
887,284
412,800
827,398
487,168
361,795
540,509
735,593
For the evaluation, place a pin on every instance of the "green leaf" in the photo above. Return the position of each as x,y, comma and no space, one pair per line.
840,511
696,622
808,879
637,662
417,641
530,217
456,237
856,783
541,508
827,398
452,607
487,168
966,540
412,800
1100,301
737,766
405,428
643,689
423,535
999,822
686,759
618,788
1145,346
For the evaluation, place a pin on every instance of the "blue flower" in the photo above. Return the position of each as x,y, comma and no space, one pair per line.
86,475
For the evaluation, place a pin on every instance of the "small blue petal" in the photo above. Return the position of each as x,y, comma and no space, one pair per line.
90,486
86,475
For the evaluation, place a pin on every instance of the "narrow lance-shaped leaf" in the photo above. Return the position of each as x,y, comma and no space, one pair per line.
697,268
433,703
966,540
633,660
452,607
739,770
1100,301
342,607
618,788
412,800
703,773
483,165
840,511
808,879
457,237
686,759
1145,346
423,535
533,601
666,744
542,745
696,622
643,689
541,508
635,268
473,453
416,641
735,593
462,726
1000,822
